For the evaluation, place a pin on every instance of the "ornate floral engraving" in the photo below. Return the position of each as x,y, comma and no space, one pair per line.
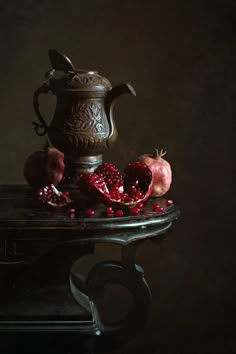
87,126
91,80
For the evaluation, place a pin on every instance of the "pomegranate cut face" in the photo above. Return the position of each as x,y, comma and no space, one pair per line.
137,180
107,185
111,175
50,195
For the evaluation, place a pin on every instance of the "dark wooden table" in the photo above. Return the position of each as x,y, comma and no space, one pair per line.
43,299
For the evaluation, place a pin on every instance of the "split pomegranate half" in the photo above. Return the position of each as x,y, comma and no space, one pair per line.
107,185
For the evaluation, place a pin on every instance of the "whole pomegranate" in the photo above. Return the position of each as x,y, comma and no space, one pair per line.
161,171
107,185
44,167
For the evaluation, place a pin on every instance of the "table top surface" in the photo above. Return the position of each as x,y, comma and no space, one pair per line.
20,211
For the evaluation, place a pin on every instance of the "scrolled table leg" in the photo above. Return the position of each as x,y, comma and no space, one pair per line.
130,276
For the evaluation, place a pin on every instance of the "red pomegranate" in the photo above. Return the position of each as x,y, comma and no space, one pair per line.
44,167
161,171
107,185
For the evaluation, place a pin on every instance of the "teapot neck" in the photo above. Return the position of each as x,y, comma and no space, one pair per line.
75,166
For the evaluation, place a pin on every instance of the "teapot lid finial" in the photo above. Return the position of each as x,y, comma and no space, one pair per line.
74,79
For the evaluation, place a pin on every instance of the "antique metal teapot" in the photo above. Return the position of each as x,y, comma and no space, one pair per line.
82,126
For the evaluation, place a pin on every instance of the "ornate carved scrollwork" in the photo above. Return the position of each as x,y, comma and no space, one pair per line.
87,126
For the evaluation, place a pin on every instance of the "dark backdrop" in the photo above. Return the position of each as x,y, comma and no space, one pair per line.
180,56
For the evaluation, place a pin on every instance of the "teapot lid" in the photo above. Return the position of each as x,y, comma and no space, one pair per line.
86,80
74,79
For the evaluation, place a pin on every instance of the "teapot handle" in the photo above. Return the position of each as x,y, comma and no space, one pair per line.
40,128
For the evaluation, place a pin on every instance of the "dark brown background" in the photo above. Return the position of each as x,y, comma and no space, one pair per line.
180,56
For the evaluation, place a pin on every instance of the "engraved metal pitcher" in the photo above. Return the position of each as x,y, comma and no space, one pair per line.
82,126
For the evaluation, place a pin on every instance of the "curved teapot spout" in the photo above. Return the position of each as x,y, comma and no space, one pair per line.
109,106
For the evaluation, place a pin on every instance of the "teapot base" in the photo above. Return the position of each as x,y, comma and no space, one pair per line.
76,166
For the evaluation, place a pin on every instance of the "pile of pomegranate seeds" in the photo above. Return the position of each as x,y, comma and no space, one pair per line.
52,196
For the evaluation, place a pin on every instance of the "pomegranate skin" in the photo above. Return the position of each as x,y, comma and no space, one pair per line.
161,172
44,167
54,166
34,169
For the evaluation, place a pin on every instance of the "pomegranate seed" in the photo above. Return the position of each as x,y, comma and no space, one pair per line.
134,211
71,210
169,202
66,194
157,207
154,205
90,212
134,183
119,213
140,205
109,211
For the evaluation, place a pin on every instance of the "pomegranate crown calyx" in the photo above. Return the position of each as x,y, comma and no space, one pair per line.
157,154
